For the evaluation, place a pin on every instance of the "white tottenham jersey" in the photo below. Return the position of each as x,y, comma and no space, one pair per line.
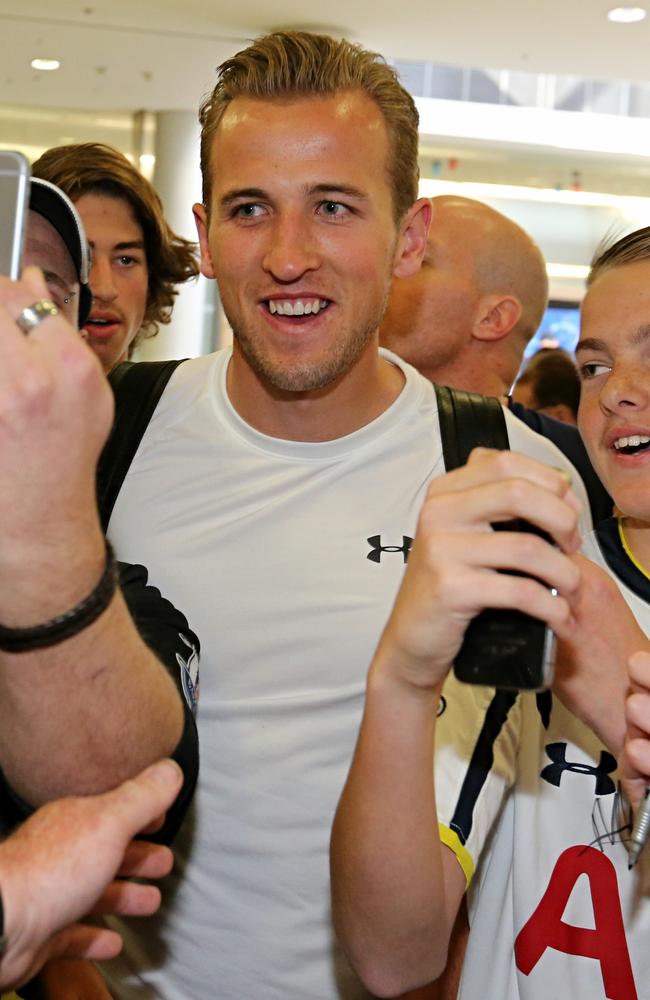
527,793
286,557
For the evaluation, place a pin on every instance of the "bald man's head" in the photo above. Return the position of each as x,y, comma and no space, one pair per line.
44,247
466,317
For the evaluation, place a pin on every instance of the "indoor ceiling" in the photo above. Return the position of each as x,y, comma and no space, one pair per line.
161,54
124,60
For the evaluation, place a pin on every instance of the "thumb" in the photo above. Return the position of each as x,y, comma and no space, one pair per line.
138,801
33,278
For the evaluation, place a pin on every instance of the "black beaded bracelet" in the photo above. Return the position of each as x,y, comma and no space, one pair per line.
22,640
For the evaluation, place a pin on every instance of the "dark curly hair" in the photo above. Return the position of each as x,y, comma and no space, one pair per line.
94,168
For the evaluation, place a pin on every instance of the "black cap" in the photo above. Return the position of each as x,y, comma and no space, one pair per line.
50,202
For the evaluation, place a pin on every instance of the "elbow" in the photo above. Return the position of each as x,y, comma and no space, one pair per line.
388,978
390,967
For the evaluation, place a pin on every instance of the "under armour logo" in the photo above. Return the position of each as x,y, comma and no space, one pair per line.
553,772
377,548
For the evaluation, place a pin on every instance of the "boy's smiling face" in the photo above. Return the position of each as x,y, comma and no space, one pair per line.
613,358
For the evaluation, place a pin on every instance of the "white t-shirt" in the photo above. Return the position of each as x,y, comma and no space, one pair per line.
554,911
286,557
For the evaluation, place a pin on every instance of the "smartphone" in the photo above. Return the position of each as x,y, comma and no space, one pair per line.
14,200
508,649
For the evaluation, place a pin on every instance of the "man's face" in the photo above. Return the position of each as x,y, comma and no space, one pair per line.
430,315
119,277
613,358
46,249
301,236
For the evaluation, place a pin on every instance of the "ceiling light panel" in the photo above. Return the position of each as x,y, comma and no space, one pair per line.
47,65
627,15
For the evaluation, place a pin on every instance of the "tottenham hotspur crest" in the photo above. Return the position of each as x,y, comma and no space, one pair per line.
189,673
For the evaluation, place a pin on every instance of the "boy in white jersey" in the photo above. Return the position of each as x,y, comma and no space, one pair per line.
531,805
613,357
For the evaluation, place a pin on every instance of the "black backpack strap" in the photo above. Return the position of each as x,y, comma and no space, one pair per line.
469,421
137,388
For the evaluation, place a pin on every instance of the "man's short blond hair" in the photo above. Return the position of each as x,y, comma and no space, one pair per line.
293,64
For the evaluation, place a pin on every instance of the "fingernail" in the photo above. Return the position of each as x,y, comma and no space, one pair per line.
165,772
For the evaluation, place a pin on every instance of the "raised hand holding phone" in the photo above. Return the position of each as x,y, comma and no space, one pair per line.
459,565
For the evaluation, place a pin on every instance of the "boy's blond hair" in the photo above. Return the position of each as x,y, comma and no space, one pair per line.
628,249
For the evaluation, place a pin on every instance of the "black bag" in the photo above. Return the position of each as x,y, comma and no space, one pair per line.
469,421
137,387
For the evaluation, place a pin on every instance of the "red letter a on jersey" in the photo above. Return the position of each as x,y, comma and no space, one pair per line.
606,943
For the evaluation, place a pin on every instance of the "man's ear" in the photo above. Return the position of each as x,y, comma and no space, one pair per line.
201,219
496,317
412,239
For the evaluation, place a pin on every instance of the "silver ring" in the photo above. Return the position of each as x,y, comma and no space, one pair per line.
32,315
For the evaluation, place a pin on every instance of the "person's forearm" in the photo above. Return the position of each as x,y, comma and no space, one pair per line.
396,889
391,905
82,716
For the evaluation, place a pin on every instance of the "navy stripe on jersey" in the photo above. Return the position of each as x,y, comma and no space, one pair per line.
544,701
611,547
481,763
